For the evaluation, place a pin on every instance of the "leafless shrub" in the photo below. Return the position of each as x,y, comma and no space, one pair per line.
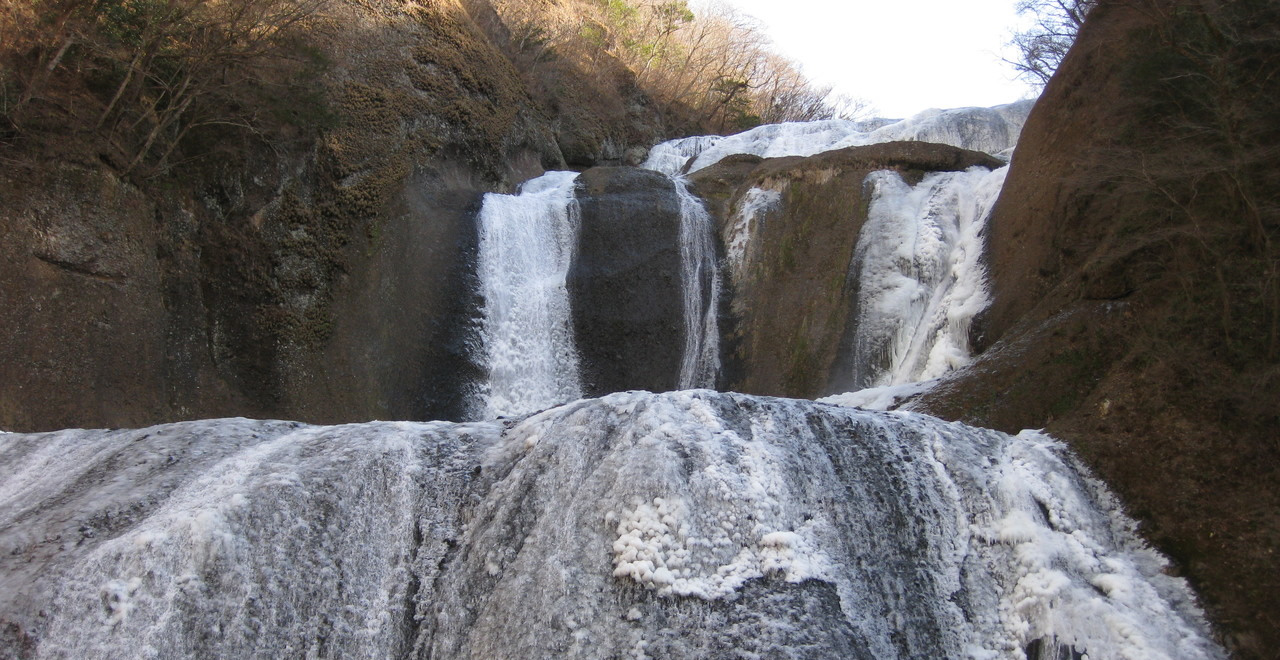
1053,28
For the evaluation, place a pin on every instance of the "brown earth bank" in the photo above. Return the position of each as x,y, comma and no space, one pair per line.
313,268
789,303
1137,290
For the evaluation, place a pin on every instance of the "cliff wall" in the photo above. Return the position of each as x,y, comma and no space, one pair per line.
321,277
1133,257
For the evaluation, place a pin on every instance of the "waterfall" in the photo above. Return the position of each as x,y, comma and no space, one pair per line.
921,281
637,525
917,259
527,242
700,277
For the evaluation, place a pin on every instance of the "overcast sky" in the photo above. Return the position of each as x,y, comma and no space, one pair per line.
901,55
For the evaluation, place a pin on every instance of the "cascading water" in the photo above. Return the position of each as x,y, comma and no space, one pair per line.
527,242
688,524
700,276
917,262
921,281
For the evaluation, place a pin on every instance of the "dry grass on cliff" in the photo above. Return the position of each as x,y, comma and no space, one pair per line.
141,77
710,66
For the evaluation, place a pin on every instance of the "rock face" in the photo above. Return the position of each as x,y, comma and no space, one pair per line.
792,291
324,279
403,330
82,306
691,524
624,284
1133,314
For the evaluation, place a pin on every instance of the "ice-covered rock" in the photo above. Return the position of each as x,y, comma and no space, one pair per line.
688,524
992,130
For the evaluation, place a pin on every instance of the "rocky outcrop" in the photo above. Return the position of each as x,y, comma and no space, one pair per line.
791,304
624,284
83,322
1135,310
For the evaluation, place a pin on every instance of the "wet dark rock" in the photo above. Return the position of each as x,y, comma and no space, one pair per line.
624,284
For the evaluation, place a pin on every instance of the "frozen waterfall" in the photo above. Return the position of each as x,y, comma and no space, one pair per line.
689,524
993,130
527,242
700,277
919,272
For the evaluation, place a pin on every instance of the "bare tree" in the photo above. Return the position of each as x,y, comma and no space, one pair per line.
711,62
169,66
1053,29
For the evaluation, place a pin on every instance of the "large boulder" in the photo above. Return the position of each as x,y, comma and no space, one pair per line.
625,281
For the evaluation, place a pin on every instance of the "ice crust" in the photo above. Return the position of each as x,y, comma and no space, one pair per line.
749,217
886,397
921,281
687,524
992,130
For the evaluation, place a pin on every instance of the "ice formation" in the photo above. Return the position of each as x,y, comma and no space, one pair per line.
700,286
748,221
527,243
688,524
920,276
992,130
885,397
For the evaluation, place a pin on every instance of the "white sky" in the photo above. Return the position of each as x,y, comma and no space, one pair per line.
903,56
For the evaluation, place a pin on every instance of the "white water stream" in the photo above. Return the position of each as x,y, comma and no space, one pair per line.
527,243
700,285
921,280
